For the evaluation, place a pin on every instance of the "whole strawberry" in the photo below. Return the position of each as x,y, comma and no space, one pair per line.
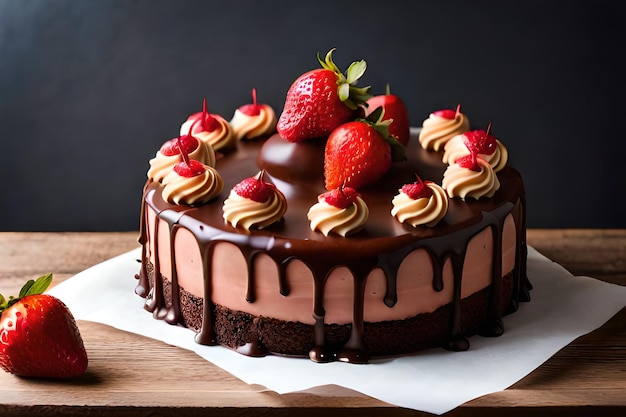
38,335
359,153
395,110
322,99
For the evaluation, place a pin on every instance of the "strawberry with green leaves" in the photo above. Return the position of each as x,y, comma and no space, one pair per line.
359,153
38,334
322,99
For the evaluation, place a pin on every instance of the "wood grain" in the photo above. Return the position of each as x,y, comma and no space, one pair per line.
590,252
25,256
130,375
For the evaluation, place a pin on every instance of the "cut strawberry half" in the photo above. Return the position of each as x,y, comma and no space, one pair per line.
172,146
480,141
447,113
189,169
255,188
417,189
341,197
253,109
469,161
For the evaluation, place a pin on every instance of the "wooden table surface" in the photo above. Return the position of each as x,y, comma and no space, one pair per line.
130,375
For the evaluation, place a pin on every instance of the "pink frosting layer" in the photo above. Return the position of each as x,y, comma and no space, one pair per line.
415,279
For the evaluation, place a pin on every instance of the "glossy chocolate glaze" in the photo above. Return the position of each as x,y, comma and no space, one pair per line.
297,170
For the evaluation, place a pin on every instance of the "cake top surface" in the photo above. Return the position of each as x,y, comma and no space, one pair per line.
332,134
300,179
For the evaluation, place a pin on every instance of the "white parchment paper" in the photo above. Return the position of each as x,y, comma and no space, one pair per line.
563,307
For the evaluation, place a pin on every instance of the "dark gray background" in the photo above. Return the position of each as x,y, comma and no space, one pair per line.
90,89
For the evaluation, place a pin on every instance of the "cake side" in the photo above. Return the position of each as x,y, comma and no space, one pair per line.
255,335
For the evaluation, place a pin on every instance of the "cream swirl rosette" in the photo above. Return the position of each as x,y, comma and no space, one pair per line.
456,148
218,132
254,203
210,128
470,177
253,120
193,184
169,155
421,203
440,127
342,212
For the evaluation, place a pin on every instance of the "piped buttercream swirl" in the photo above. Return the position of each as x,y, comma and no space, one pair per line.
328,219
195,190
246,213
465,183
426,211
161,165
455,149
437,130
248,126
220,138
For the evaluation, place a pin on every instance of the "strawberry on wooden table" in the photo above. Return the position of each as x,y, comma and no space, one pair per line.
322,99
38,334
359,153
395,110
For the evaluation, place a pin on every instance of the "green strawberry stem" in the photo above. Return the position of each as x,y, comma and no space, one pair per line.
32,287
375,119
351,95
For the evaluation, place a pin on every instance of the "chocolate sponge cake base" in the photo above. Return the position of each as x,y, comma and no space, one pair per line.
238,330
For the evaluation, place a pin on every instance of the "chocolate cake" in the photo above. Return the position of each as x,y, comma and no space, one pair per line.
243,245
381,246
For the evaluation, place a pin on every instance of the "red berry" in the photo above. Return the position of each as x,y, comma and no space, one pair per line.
39,336
171,147
255,188
447,113
190,168
469,162
253,109
320,100
356,155
203,121
187,168
394,109
341,197
480,142
417,190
